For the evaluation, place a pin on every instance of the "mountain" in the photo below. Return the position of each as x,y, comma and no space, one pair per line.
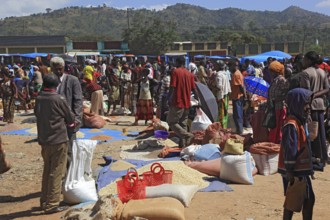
192,21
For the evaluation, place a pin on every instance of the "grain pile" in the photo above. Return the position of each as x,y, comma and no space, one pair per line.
94,130
80,134
121,165
182,174
101,138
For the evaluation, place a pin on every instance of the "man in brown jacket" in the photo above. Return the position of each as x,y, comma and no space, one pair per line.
54,119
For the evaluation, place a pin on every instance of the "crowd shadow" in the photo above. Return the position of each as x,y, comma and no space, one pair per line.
5,199
29,120
34,211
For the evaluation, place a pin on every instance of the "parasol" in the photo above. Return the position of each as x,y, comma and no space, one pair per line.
208,102
256,85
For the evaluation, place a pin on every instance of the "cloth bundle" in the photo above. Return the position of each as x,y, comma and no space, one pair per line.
265,148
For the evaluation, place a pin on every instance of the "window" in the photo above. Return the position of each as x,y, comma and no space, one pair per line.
224,45
293,47
265,47
279,46
175,47
253,48
199,46
187,46
211,46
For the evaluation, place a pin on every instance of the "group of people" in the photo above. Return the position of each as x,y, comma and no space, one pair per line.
296,87
58,109
299,94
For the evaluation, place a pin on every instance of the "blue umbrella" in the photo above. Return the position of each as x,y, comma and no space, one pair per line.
256,85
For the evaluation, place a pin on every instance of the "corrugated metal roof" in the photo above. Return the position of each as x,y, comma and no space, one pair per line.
32,40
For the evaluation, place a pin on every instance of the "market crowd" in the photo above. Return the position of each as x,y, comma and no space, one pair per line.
144,88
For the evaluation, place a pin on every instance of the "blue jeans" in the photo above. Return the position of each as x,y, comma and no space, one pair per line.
238,114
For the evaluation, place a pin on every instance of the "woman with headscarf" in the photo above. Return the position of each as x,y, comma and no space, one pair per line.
9,93
277,92
315,79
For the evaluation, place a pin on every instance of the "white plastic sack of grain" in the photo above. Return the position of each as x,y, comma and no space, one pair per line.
266,164
79,185
200,122
183,193
237,168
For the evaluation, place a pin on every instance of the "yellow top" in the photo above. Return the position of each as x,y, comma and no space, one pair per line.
88,72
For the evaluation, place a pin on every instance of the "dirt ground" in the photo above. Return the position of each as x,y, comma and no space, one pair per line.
20,187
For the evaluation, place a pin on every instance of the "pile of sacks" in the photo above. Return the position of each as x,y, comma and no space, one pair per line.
110,207
215,134
167,200
235,164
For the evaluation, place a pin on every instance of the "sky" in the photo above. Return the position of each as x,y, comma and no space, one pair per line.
26,7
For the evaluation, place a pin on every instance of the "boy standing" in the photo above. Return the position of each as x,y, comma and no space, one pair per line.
295,159
54,117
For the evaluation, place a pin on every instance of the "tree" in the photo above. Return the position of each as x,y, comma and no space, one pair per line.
48,10
248,38
235,38
149,36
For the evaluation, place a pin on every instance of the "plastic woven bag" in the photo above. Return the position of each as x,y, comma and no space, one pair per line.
157,175
200,122
131,187
79,185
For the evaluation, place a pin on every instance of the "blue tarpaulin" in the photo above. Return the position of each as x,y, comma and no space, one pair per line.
86,133
34,55
278,55
107,176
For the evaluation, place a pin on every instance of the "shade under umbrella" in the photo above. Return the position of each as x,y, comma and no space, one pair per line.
256,85
208,102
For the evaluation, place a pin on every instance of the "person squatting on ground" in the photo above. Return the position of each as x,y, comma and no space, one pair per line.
181,85
295,159
54,119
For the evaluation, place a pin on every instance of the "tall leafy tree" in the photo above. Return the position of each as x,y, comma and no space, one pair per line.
150,35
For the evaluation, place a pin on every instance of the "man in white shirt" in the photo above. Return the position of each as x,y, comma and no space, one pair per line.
223,89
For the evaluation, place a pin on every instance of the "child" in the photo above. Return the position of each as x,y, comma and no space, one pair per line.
144,106
295,159
54,117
